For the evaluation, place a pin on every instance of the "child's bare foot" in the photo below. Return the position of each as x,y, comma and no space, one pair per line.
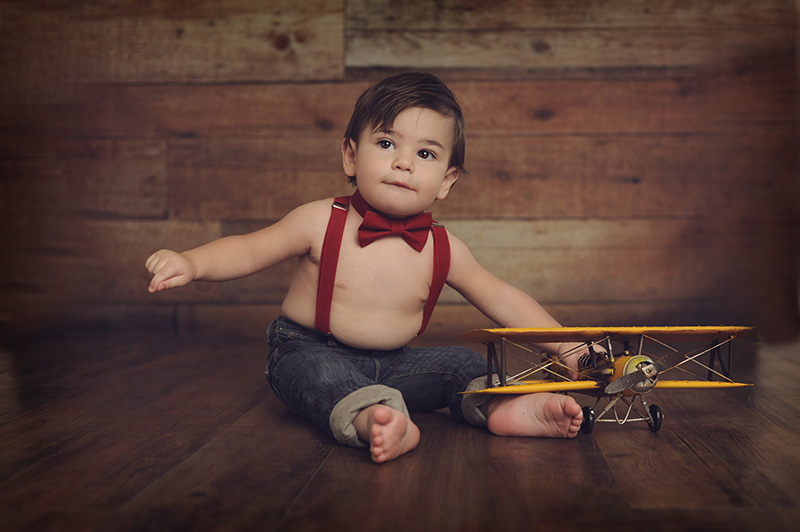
536,414
389,432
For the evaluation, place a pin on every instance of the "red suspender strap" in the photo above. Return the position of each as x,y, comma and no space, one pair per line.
441,267
328,261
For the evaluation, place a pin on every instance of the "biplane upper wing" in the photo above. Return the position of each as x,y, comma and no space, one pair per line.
588,334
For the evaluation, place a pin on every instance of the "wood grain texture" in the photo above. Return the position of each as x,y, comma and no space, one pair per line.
641,156
712,102
82,267
546,49
262,480
120,41
649,263
252,179
592,106
705,175
106,177
588,36
449,321
174,433
473,14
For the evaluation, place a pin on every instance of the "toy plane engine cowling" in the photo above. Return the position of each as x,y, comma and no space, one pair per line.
635,375
644,364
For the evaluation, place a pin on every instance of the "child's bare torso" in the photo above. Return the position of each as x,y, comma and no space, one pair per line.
380,290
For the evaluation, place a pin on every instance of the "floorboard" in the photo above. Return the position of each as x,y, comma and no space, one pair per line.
122,432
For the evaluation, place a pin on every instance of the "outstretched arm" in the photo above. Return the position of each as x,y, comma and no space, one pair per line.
498,300
236,256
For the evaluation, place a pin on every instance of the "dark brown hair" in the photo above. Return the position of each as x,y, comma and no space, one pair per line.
379,105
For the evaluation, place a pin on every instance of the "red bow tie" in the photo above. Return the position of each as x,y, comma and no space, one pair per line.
414,229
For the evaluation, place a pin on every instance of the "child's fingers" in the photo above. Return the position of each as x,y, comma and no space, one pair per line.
165,279
166,271
158,259
152,262
158,283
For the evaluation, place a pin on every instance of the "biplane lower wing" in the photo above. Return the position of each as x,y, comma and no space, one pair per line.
541,386
698,385
538,386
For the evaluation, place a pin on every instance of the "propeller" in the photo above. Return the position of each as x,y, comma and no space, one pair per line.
645,371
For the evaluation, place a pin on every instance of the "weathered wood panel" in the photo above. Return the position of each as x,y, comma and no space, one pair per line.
566,35
737,175
588,49
114,177
246,179
145,388
740,175
292,109
103,260
248,509
651,265
49,45
129,432
572,261
630,106
449,321
543,107
557,261
658,137
628,260
245,320
473,14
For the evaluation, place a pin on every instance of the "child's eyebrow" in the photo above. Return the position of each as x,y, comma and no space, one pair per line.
428,142
435,143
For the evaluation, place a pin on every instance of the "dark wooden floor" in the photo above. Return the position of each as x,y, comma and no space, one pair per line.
123,432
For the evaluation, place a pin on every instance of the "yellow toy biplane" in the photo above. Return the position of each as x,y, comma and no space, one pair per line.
618,368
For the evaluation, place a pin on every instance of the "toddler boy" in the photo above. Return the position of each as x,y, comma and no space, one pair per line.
369,270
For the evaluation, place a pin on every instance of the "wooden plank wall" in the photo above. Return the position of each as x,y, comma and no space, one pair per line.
630,162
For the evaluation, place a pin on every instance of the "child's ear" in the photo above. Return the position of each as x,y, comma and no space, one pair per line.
449,180
349,150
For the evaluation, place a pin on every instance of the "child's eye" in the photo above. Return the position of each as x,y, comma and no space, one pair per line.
426,154
385,144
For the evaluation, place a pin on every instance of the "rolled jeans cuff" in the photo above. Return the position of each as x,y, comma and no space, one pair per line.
472,402
346,410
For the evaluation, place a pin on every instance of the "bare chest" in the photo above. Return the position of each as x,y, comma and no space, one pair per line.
387,271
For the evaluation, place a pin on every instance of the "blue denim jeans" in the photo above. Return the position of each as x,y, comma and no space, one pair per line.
327,382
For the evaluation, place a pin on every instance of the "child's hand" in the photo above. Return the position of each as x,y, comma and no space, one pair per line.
568,354
571,353
170,270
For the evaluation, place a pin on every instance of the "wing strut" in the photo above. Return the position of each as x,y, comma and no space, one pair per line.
494,363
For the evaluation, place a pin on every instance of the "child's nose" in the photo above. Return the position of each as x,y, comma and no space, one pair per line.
404,162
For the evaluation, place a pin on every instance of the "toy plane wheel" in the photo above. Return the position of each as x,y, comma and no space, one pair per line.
588,420
656,418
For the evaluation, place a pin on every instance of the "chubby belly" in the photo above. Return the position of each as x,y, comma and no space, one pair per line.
377,321
378,298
